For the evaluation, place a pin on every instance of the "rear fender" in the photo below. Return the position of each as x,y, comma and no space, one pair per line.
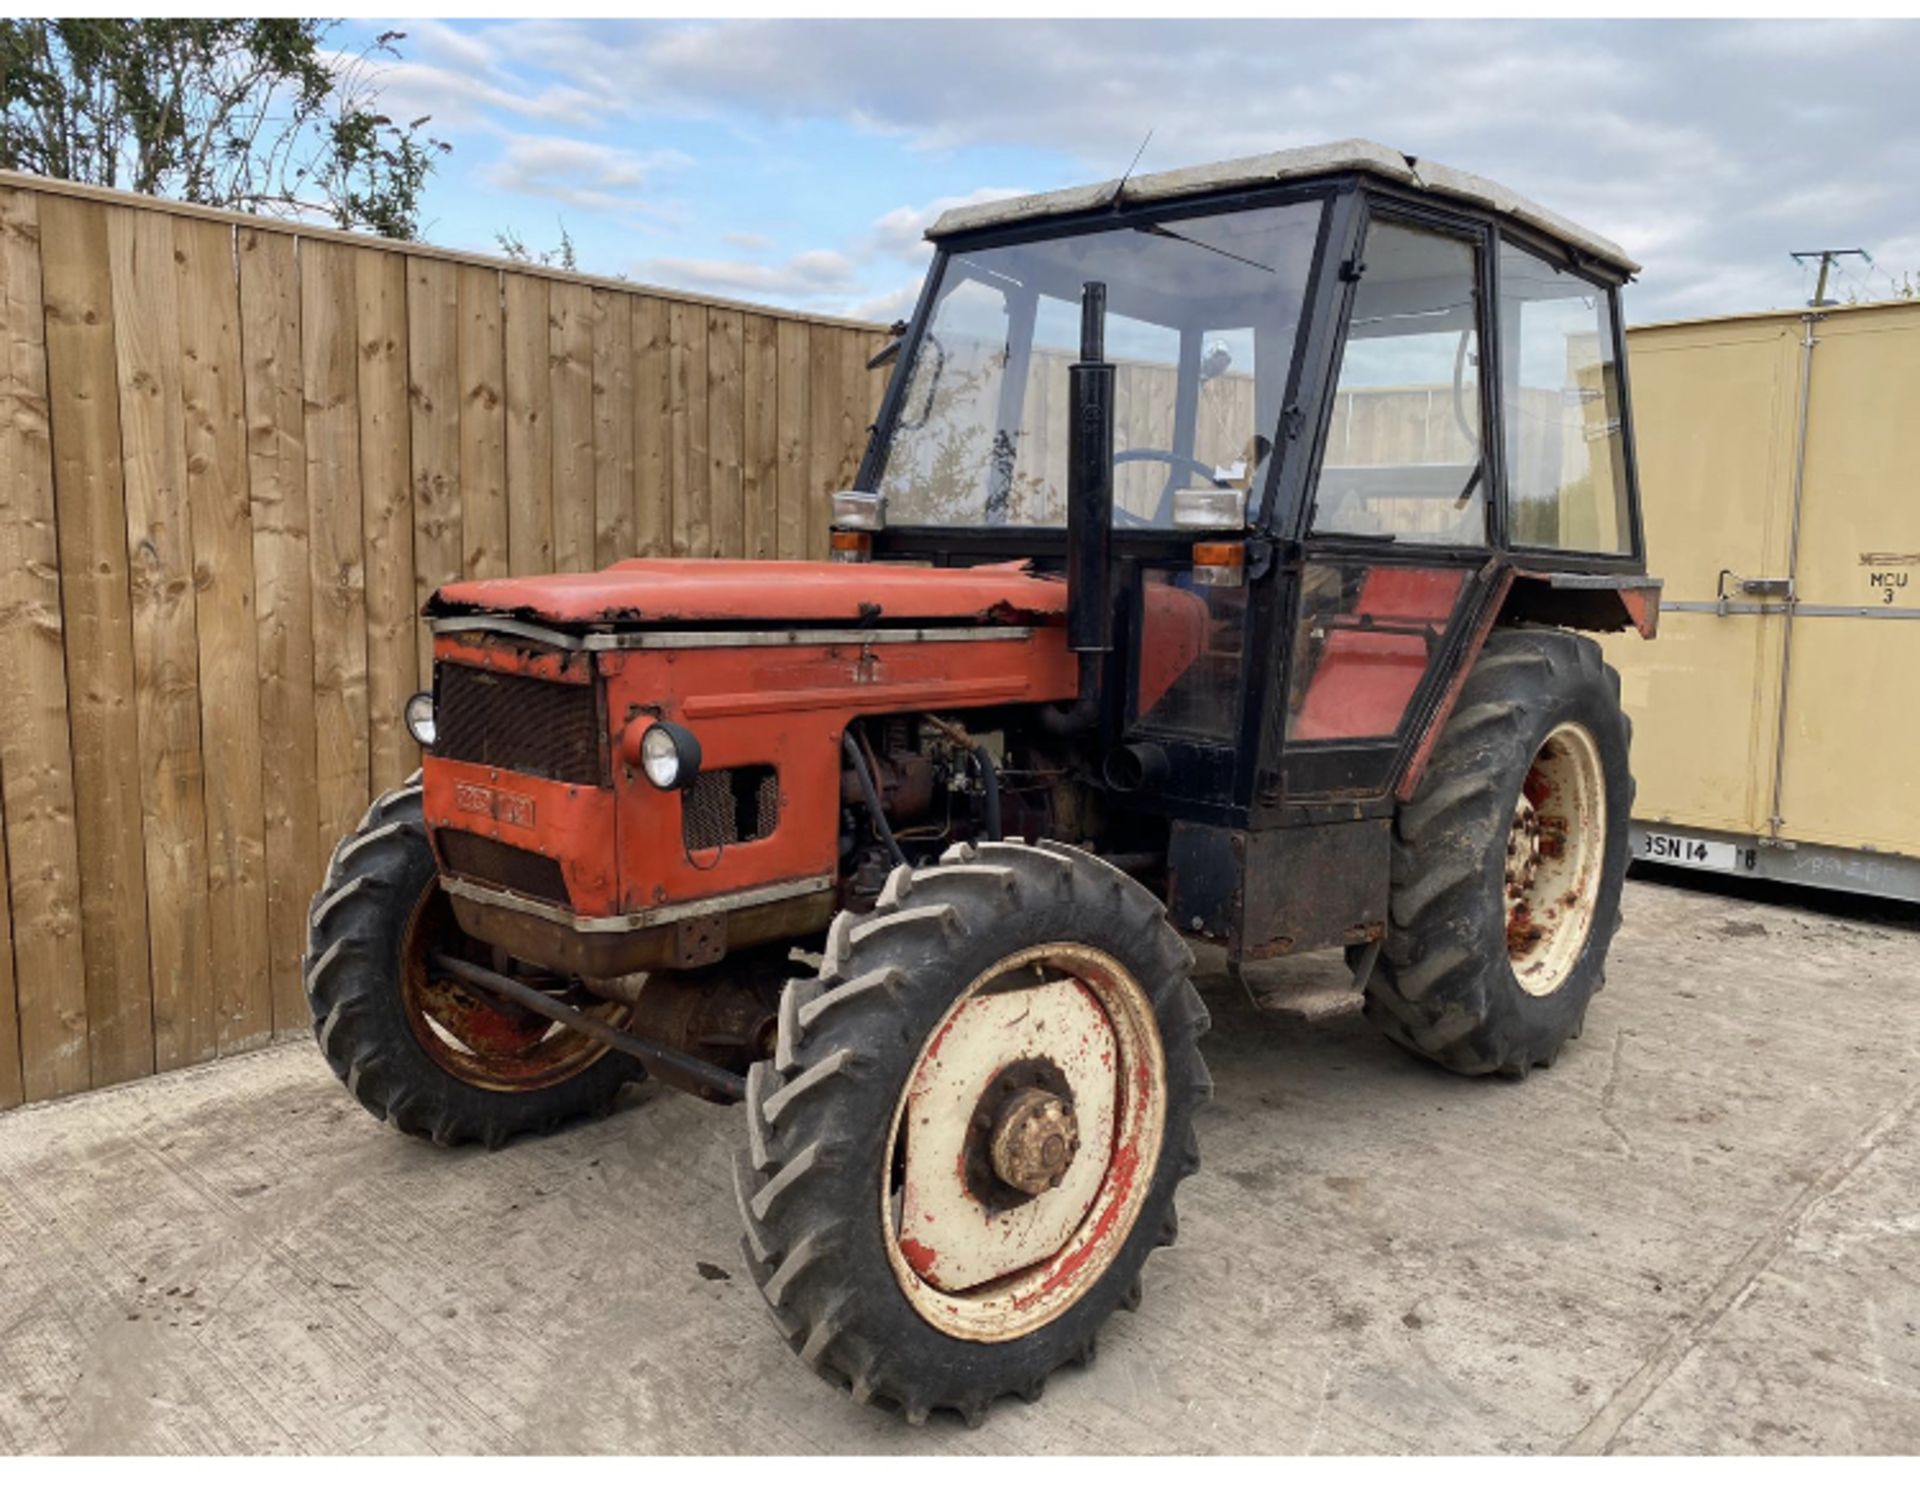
1583,601
1602,602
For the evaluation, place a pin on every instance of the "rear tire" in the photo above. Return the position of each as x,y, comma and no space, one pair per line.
821,1181
362,934
1489,963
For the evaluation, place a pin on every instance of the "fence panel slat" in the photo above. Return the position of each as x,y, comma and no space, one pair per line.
794,417
529,427
483,426
652,427
827,396
570,349
613,462
726,431
433,393
330,364
84,413
760,452
12,1088
36,766
862,400
386,477
214,399
166,645
283,602
687,359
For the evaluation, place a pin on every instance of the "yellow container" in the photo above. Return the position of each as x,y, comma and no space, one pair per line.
1780,475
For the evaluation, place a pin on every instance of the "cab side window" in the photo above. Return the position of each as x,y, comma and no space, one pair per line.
1566,467
1404,453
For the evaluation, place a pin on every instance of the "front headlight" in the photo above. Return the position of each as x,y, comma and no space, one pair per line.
1210,509
859,511
418,714
669,756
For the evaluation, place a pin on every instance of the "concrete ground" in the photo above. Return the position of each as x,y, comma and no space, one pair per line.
1700,1232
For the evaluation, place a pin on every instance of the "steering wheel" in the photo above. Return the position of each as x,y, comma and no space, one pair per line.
1168,457
1162,512
1468,429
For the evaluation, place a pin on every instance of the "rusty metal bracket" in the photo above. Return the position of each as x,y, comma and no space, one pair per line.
653,1056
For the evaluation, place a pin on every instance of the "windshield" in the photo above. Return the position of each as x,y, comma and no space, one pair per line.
1201,317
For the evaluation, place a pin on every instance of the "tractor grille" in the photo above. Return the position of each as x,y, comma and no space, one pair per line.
724,807
513,868
523,723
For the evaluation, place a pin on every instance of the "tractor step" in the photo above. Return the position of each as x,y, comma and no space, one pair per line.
1311,1003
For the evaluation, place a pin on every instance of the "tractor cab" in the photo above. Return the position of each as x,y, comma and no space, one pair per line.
1355,398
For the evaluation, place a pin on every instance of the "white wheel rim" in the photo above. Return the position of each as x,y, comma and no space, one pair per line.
1067,1014
1556,854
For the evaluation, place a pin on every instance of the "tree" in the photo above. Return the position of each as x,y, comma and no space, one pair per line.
515,247
259,115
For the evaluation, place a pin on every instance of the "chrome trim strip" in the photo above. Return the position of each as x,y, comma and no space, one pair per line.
694,640
1799,611
611,924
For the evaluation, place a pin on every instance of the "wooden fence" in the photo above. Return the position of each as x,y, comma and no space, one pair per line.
234,459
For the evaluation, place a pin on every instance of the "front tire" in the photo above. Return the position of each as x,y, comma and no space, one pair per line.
429,1057
1508,862
882,1138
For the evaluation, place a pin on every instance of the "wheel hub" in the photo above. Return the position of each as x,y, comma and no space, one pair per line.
1024,1142
475,1039
1523,851
1555,859
1034,1141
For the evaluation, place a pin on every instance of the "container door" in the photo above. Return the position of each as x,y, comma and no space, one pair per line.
1850,771
1715,408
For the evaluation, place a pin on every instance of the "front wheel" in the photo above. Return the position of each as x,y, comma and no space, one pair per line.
427,1054
1508,861
968,1140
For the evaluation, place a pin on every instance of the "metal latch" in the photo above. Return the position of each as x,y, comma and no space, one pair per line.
1754,588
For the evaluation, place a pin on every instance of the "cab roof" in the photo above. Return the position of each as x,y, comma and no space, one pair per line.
1341,158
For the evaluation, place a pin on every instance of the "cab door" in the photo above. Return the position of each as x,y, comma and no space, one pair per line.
1397,527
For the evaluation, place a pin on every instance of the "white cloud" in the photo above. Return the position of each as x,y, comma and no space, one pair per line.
800,279
885,309
824,277
902,232
1800,41
458,97
580,173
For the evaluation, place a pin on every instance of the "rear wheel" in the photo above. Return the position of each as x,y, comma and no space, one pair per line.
434,1057
968,1140
1508,861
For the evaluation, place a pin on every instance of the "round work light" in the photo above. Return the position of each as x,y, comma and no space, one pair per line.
669,755
418,714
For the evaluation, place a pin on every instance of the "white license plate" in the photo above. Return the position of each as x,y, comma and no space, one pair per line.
1687,851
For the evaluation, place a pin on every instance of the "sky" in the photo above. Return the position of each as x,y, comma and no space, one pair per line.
798,163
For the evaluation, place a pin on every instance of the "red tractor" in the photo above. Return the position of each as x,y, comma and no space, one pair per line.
1216,573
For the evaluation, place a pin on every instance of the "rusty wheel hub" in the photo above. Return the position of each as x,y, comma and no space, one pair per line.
1024,1142
1034,1141
1555,859
472,1037
1523,850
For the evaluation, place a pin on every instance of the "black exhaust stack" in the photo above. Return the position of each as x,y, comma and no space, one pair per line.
1090,483
1089,510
